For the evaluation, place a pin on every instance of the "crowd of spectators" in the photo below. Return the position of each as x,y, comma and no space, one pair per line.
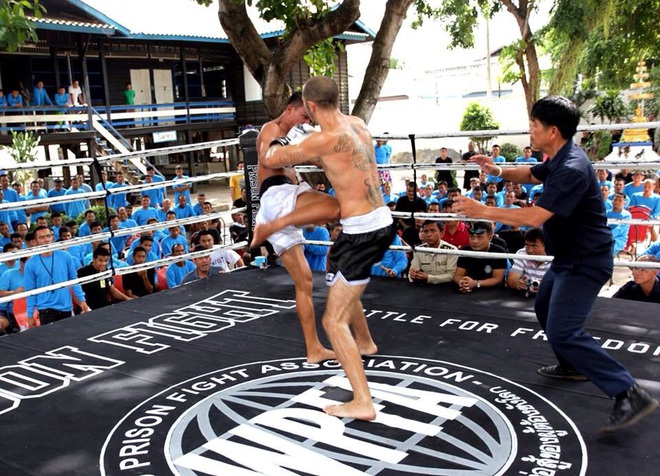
44,224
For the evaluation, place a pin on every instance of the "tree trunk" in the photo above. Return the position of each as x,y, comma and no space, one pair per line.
529,64
270,69
379,63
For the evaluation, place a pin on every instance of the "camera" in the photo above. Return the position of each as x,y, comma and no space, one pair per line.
531,285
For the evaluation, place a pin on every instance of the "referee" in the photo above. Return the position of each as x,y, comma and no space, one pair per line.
572,213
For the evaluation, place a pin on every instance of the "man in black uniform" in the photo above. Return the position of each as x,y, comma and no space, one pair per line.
572,213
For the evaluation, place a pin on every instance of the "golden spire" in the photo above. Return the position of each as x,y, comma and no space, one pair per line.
640,85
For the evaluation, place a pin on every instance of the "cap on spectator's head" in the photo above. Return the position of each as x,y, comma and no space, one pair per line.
475,179
479,227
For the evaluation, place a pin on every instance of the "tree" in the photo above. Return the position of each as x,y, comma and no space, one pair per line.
478,118
15,26
609,106
310,27
602,40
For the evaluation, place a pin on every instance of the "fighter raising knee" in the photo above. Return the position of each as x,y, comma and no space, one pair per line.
343,148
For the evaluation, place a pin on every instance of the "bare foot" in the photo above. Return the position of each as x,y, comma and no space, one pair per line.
261,233
314,357
353,409
368,349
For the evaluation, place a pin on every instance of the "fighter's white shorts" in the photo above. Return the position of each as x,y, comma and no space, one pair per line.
277,201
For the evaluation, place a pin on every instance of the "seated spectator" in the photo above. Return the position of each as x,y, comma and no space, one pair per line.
520,195
605,192
103,292
174,238
491,189
5,233
8,264
647,198
223,259
645,285
11,282
433,268
241,201
636,186
478,194
316,254
183,210
474,273
139,283
601,176
619,185
526,274
31,239
176,271
387,193
55,225
125,221
73,228
146,242
165,208
411,234
619,230
393,263
46,269
85,228
238,230
411,203
456,231
17,240
142,215
118,242
198,208
203,268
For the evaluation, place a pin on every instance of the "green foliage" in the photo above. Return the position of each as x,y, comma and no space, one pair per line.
597,145
15,26
460,17
478,117
510,72
610,106
321,59
23,149
510,151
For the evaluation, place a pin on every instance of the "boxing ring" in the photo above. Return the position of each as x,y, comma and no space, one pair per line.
210,378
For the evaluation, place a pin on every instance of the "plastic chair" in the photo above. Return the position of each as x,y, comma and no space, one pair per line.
637,233
119,284
20,312
162,278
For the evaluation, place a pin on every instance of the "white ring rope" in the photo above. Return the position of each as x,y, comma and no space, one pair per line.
121,271
106,235
513,132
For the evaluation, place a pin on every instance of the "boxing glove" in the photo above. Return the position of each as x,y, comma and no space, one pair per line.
295,136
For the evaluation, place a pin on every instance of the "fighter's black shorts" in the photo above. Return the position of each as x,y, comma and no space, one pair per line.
362,243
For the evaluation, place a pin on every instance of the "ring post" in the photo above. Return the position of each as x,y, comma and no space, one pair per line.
248,143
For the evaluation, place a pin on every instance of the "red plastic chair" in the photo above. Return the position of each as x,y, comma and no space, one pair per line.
119,284
637,233
162,278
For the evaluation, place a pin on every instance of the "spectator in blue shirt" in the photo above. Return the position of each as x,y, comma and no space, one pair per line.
104,184
174,238
315,254
636,185
176,271
647,198
498,159
619,230
154,194
526,158
40,96
36,193
198,208
46,269
15,99
76,207
62,97
183,210
57,191
142,215
181,188
118,200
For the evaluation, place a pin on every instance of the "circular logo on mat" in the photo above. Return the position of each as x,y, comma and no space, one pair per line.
434,418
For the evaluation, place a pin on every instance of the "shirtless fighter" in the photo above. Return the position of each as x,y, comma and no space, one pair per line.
343,148
281,194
